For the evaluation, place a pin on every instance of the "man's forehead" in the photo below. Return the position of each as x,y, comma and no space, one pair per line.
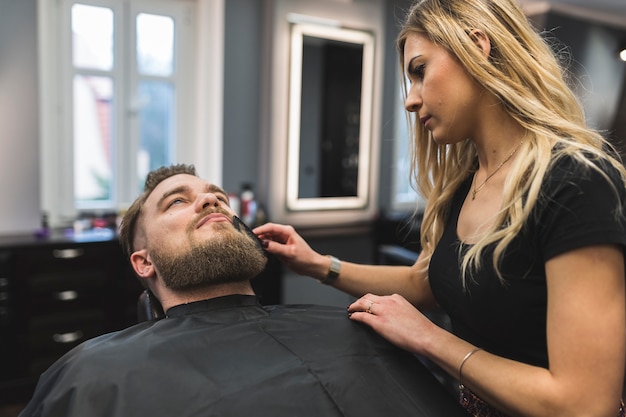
181,182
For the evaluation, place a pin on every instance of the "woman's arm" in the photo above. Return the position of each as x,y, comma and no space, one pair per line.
586,331
355,279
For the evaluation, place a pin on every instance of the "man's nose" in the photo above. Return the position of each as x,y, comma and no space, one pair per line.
205,200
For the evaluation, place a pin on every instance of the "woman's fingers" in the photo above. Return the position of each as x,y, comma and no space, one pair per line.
365,304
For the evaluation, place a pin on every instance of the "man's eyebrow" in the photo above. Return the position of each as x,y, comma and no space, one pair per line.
182,189
212,188
178,190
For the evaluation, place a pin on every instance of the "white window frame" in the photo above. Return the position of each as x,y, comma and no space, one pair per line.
199,123
404,197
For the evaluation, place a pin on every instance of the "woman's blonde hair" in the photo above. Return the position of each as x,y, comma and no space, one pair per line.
523,72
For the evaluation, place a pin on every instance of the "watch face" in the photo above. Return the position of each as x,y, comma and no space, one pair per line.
333,271
335,266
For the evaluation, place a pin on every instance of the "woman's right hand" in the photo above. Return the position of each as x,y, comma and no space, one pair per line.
287,245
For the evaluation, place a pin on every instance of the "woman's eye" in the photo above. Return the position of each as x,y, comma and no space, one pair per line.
418,71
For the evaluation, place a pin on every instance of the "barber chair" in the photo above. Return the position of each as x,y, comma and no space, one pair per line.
148,307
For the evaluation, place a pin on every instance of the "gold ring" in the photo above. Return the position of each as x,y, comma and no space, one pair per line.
369,307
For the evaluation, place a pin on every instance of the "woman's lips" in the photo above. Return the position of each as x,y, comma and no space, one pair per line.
425,120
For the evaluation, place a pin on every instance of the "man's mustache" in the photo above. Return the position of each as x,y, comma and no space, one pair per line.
237,223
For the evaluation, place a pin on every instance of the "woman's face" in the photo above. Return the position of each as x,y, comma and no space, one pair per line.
445,99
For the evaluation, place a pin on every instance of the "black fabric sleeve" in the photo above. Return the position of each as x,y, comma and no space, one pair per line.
580,207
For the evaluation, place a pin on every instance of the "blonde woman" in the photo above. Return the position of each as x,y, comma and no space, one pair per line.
524,231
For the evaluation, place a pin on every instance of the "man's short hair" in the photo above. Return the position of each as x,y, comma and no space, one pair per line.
128,226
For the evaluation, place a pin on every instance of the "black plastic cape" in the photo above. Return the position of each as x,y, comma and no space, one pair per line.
232,357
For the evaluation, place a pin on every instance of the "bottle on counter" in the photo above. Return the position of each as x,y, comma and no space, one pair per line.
248,205
235,203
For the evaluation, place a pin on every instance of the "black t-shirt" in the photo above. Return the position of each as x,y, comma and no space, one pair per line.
576,208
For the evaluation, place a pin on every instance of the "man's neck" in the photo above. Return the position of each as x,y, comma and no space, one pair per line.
170,298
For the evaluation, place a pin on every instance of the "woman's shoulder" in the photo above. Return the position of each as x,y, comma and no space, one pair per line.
582,184
580,166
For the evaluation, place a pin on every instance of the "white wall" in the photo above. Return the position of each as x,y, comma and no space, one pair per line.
19,149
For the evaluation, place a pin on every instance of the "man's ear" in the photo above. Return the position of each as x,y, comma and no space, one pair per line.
142,265
481,40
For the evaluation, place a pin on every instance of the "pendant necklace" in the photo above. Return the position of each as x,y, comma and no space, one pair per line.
482,184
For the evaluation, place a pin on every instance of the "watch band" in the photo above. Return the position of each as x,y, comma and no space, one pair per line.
333,271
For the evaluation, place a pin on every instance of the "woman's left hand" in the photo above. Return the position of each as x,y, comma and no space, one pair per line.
394,318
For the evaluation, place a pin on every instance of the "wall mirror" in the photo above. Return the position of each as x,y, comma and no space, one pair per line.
331,78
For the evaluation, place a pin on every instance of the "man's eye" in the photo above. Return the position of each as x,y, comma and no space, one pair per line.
175,202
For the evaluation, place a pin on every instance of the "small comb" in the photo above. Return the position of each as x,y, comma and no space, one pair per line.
239,224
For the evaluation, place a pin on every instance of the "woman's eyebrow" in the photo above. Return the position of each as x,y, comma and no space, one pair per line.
408,66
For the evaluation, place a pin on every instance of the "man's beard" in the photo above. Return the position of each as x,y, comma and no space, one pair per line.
229,256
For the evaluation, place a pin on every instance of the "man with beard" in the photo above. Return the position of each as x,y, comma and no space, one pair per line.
218,351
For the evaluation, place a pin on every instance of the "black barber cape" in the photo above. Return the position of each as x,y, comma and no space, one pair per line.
230,356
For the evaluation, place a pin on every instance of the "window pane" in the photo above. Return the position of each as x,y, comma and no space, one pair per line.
405,197
155,44
155,127
92,37
93,105
404,191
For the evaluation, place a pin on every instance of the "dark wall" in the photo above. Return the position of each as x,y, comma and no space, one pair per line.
19,117
619,124
394,15
244,20
589,50
243,36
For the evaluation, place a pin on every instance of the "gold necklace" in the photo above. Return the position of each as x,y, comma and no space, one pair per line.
482,184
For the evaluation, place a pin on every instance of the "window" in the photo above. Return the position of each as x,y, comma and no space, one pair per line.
405,198
122,86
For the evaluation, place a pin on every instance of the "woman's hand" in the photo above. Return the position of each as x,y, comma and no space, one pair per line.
287,245
397,320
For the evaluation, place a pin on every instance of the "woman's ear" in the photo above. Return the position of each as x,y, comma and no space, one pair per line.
481,40
141,264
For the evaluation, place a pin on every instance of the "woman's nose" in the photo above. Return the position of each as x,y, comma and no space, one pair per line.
413,100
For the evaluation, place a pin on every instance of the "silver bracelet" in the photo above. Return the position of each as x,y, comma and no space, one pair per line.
463,363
